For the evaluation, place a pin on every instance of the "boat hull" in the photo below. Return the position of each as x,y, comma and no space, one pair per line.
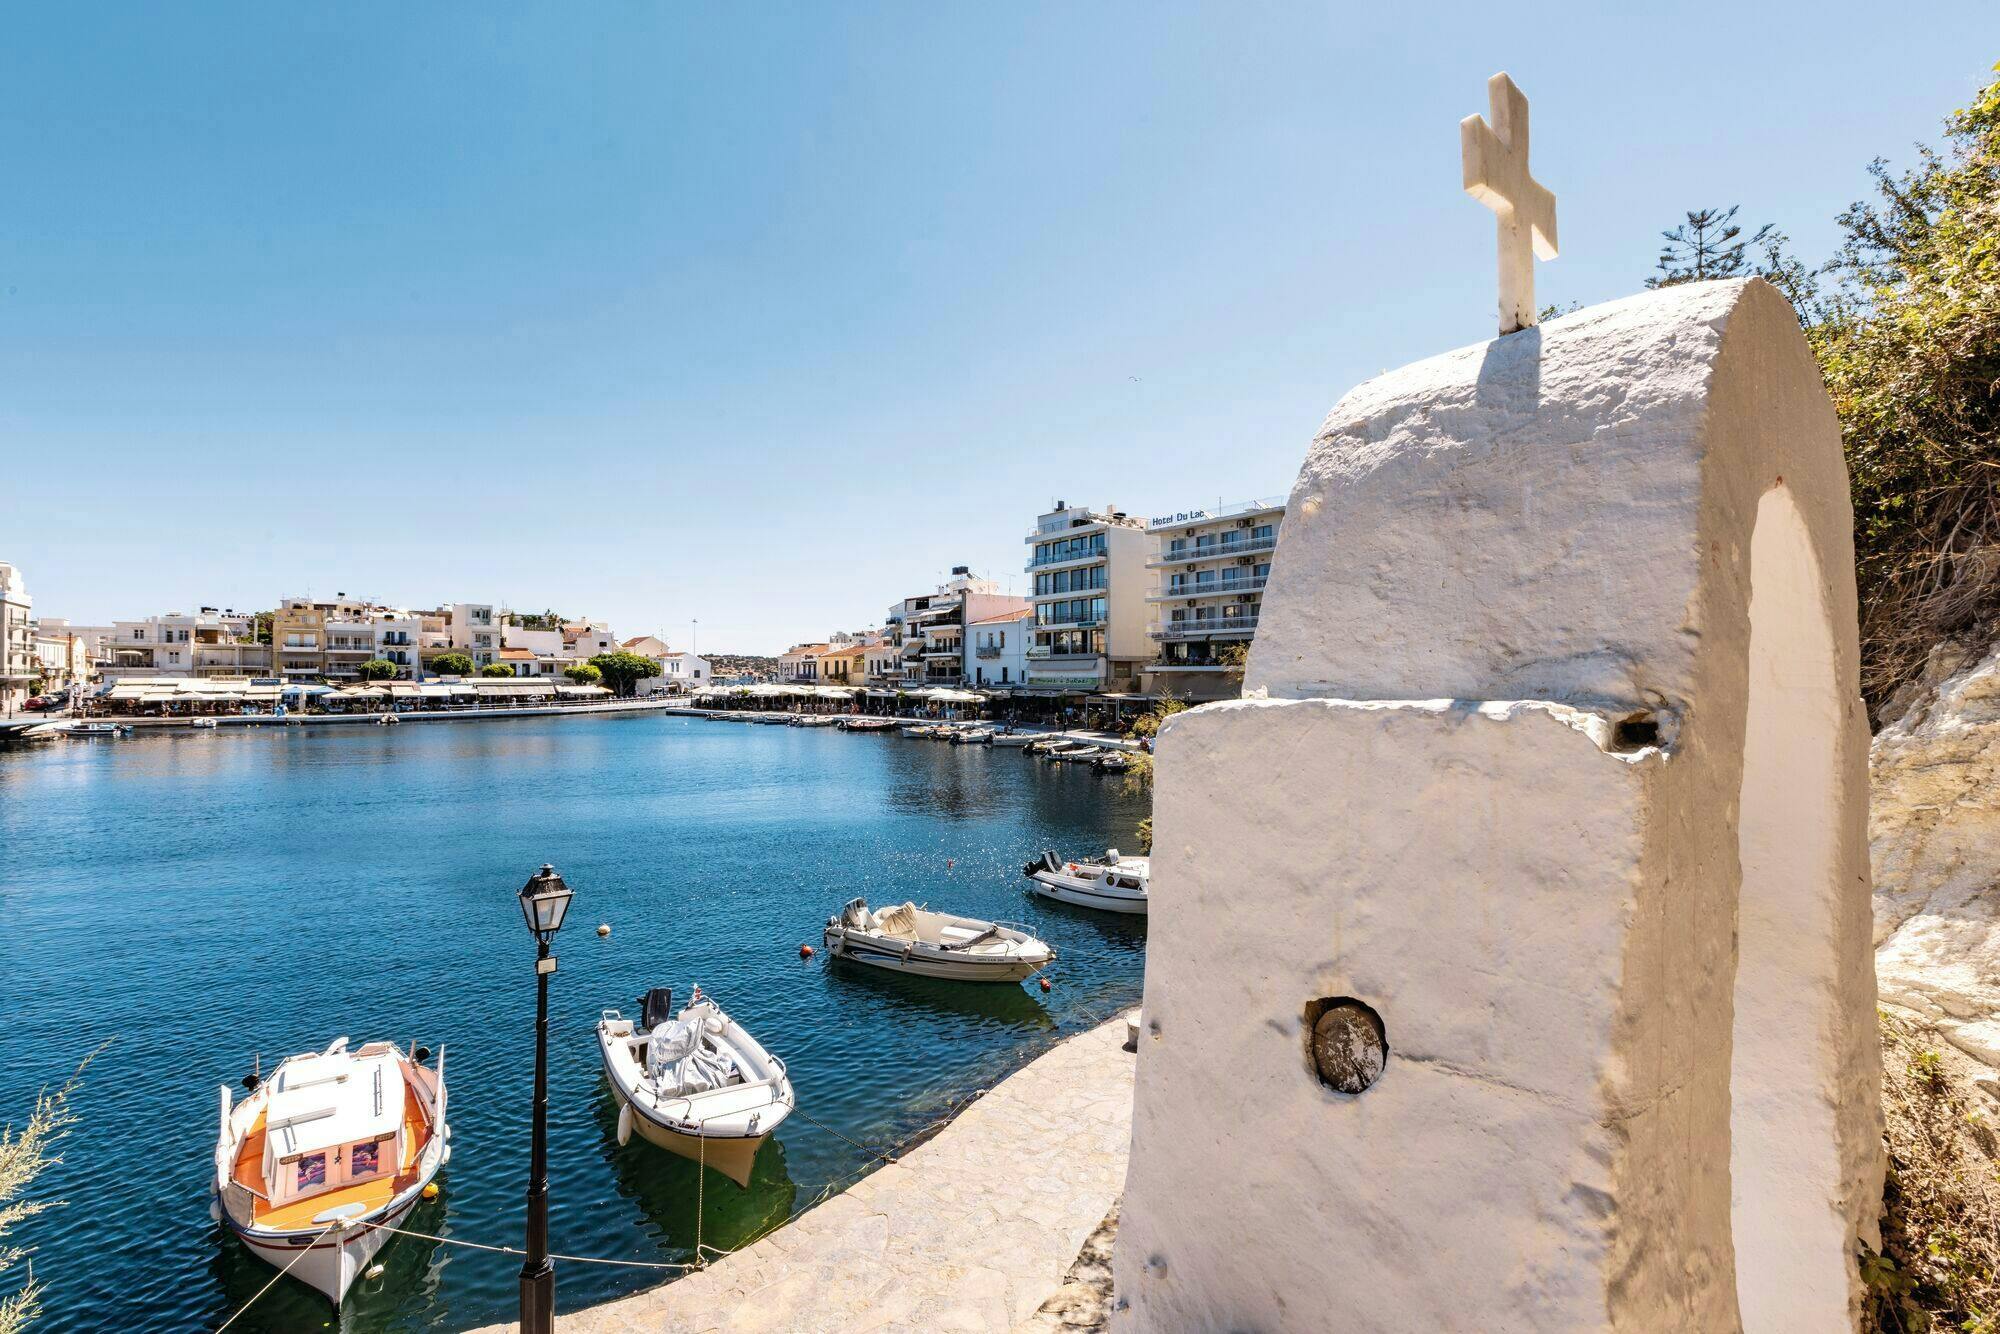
332,1263
1083,894
733,1156
923,963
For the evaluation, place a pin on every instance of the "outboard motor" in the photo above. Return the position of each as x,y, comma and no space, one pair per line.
656,1007
1047,863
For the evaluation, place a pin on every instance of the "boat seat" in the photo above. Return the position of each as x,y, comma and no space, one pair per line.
964,938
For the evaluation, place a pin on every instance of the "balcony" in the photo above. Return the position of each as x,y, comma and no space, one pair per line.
1048,562
1088,623
1216,588
987,651
1202,627
942,651
1214,551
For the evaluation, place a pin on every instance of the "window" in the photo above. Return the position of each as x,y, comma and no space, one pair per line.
364,1160
312,1171
1263,532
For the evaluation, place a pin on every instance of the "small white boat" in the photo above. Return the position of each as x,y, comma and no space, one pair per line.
972,736
98,729
1113,762
694,1083
909,939
387,720
1014,739
321,1157
1055,745
1111,882
920,730
1077,755
203,724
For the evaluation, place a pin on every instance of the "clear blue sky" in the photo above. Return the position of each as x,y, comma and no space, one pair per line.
767,316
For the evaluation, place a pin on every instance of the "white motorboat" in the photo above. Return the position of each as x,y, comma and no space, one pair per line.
1113,762
1078,755
695,1083
1014,738
909,939
1111,882
920,730
388,720
1057,745
318,1160
202,724
972,736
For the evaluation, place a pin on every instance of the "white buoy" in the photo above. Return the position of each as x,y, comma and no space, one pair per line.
625,1125
374,1271
604,928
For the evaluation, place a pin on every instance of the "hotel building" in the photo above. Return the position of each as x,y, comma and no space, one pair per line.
1211,567
1089,572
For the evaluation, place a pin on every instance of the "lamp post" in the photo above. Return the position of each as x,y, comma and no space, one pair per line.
544,901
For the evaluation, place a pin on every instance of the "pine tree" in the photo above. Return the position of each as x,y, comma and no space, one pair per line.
1708,245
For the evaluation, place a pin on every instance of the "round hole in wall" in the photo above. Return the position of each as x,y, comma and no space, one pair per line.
1346,1044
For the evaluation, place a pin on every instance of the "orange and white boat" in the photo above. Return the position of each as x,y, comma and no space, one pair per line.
317,1162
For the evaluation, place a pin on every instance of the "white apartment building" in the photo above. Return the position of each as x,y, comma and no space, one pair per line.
584,640
929,630
1089,572
207,642
1211,567
386,634
475,631
996,649
680,673
19,663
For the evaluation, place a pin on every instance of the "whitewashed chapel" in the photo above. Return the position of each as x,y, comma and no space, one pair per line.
1509,962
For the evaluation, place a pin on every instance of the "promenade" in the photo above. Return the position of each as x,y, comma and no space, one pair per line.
973,1230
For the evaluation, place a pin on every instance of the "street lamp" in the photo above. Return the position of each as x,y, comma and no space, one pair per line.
544,902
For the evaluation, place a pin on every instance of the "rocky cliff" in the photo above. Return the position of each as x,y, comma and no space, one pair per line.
1934,831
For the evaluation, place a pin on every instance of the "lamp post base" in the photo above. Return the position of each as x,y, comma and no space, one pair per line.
538,1299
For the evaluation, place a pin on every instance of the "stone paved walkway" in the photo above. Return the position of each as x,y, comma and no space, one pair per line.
973,1230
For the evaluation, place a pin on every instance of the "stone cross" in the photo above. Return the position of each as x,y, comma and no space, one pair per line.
1496,174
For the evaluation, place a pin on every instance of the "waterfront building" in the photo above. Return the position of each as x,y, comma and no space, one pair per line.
63,658
844,664
930,628
475,631
584,640
376,633
646,646
799,664
882,661
1211,566
996,649
684,671
209,642
1089,572
19,663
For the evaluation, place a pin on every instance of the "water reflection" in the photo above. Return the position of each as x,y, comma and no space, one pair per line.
669,1190
985,1002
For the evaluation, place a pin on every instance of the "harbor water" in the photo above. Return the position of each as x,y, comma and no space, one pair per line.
196,902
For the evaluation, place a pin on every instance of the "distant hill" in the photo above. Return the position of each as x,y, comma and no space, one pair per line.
725,665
